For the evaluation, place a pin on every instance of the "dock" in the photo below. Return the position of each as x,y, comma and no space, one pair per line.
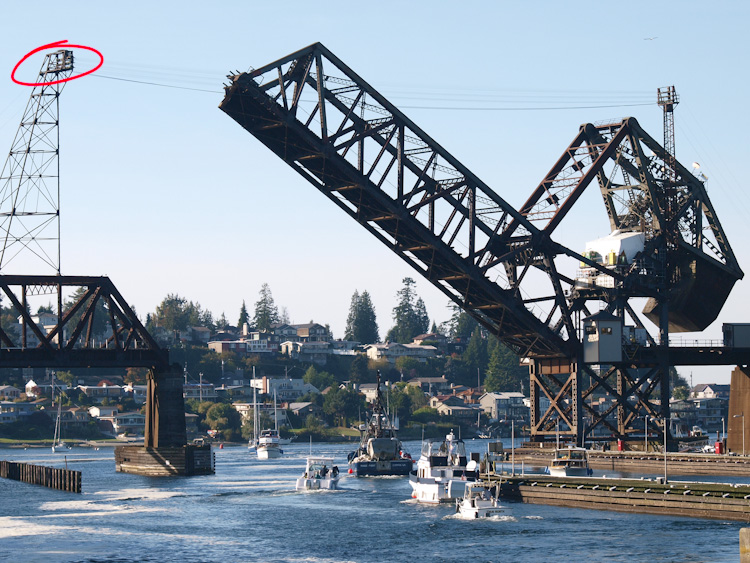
651,496
50,477
648,462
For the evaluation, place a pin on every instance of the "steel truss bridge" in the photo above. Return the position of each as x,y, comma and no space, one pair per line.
500,263
70,343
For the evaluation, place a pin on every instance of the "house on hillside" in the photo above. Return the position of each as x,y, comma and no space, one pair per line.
313,351
9,393
311,332
504,405
710,391
431,385
391,351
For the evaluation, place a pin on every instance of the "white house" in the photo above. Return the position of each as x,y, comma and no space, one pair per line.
393,350
9,392
503,405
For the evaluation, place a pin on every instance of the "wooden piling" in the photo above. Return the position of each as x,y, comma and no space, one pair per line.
51,477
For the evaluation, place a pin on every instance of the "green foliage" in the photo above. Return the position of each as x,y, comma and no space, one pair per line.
476,355
358,372
361,324
425,415
266,311
319,380
222,417
341,404
460,325
175,313
503,371
681,393
101,315
410,315
244,317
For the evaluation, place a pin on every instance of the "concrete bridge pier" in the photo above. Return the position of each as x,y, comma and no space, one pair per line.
165,450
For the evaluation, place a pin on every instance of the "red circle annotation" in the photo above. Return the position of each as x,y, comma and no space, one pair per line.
63,43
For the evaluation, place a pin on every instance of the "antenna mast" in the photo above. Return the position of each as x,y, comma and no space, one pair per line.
30,179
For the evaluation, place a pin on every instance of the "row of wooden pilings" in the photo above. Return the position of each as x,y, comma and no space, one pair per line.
50,477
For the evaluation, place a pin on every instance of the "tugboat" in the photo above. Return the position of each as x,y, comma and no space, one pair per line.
379,451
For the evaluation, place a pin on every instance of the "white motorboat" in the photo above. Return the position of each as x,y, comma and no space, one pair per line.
320,474
570,462
478,502
268,445
442,471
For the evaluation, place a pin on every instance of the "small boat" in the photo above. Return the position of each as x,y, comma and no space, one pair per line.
268,445
477,502
320,474
442,471
269,442
380,451
57,444
570,462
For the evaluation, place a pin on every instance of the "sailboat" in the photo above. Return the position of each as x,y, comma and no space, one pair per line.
57,444
268,442
254,440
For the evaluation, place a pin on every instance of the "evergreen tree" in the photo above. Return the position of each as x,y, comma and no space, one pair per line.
361,324
461,325
244,317
266,312
410,315
504,373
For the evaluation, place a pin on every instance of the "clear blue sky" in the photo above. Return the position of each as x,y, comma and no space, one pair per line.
166,194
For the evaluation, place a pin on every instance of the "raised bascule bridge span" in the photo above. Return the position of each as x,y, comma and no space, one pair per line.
570,315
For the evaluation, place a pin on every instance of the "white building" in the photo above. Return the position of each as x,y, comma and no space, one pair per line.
393,350
503,405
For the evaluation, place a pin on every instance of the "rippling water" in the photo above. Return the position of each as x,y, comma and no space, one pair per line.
249,511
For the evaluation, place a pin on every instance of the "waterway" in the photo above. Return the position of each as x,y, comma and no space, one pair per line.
249,511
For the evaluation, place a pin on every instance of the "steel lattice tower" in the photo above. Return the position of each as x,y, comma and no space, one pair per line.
30,179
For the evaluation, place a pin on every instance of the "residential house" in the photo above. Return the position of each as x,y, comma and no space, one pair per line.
133,423
284,332
103,391
200,391
303,410
314,351
311,332
287,389
504,405
433,338
9,392
431,385
710,391
199,334
223,346
100,411
11,411
393,350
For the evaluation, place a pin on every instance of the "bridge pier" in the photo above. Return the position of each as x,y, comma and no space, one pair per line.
165,450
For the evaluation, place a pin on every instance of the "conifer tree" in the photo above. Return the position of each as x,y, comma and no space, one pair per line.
244,317
361,324
410,315
266,312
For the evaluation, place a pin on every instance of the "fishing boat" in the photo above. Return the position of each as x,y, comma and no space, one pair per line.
268,446
320,474
442,471
570,462
379,451
477,502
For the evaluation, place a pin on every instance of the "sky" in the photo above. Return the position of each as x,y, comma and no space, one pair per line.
165,194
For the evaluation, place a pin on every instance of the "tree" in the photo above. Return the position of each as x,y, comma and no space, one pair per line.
101,315
361,324
475,355
266,312
410,315
224,418
342,404
319,380
244,317
503,370
358,371
175,313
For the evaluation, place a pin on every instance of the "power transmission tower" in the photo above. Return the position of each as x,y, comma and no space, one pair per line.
30,179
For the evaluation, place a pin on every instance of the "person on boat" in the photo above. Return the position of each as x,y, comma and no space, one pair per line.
335,471
324,471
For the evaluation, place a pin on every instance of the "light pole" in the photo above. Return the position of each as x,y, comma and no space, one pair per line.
645,433
742,416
